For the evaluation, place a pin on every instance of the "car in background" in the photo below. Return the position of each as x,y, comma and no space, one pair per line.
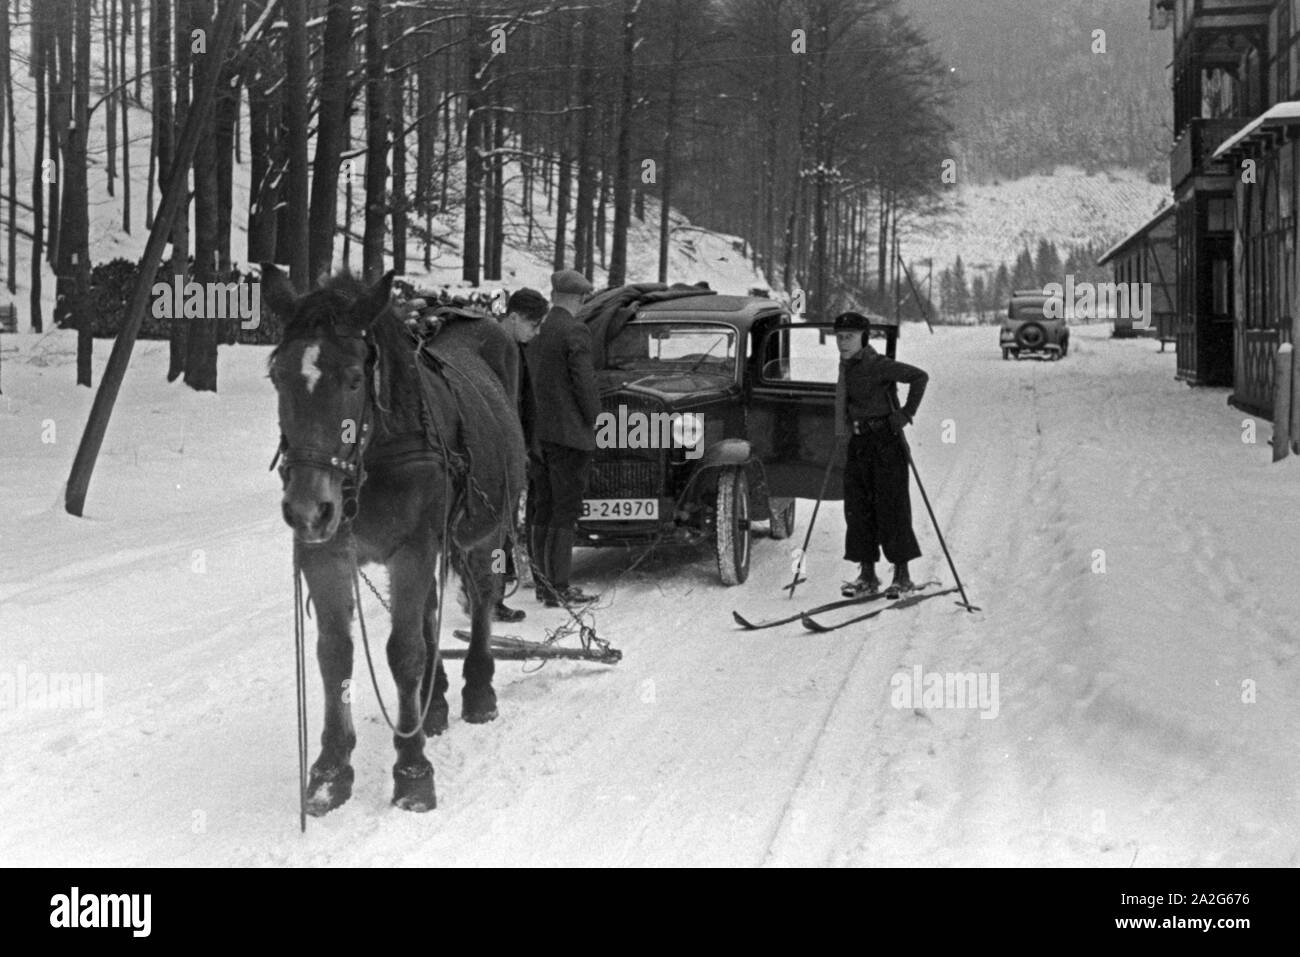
1027,331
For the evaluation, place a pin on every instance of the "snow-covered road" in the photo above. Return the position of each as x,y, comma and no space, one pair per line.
1133,557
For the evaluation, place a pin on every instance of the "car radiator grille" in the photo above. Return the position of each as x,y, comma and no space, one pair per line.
628,473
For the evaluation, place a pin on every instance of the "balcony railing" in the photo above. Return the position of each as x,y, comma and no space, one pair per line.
1192,151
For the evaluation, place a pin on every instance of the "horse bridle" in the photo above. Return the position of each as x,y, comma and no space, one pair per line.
350,465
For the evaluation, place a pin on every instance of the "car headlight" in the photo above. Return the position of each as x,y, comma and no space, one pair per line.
688,430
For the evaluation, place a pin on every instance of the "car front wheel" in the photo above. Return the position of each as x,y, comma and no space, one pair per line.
732,527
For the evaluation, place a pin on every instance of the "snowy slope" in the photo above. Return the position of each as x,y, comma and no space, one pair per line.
1121,736
992,223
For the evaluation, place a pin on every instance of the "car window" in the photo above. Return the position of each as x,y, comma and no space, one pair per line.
800,355
673,347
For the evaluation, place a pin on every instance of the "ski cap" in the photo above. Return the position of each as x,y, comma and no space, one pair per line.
851,321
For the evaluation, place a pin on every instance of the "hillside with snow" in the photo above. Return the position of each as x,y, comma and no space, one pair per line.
990,224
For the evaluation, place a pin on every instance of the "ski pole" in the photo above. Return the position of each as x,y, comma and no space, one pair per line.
803,552
907,449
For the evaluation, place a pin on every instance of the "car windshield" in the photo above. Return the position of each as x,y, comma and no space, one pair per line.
1030,309
672,348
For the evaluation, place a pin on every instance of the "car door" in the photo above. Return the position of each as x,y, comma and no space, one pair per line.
792,374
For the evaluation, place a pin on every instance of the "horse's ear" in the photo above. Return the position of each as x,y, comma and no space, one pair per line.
278,291
378,299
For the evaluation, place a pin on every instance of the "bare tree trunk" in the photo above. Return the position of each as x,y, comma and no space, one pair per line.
79,218
6,52
138,22
295,131
226,125
110,83
426,134
372,247
263,123
472,241
39,45
623,163
666,160
178,352
496,201
201,343
397,200
127,25
586,168
331,132
57,114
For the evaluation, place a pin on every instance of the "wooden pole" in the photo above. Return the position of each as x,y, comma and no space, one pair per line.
173,192
1282,411
1295,390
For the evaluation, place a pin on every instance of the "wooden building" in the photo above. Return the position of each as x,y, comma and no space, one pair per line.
1149,255
1236,175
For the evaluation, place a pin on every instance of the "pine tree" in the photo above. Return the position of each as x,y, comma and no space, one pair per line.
960,291
1024,276
1049,263
1001,288
979,298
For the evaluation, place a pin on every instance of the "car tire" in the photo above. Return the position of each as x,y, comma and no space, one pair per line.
1006,355
732,538
1031,336
782,525
1065,348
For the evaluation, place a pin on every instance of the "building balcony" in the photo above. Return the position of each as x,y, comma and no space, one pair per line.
1193,152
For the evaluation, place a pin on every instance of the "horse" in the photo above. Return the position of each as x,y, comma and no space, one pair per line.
390,459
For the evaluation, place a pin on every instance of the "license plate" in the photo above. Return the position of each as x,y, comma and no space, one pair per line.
620,509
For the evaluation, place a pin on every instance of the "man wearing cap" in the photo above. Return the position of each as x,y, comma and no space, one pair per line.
524,312
567,405
877,504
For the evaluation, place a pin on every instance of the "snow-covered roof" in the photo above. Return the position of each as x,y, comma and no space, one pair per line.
1283,114
1150,224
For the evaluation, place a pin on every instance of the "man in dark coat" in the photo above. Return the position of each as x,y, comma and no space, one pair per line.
525,311
877,503
523,319
565,396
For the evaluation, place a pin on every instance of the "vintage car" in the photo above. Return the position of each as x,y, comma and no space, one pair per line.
1026,330
717,413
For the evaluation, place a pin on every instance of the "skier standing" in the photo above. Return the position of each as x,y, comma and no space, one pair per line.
877,503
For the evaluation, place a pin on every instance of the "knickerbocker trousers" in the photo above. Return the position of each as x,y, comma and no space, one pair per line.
877,502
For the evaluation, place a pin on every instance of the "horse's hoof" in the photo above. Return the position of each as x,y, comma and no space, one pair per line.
328,788
435,722
479,715
413,788
478,706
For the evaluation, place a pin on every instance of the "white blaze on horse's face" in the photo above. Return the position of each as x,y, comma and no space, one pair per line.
311,366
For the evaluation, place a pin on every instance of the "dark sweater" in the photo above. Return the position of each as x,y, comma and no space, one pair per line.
867,380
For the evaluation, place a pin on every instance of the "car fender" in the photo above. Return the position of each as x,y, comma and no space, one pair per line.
726,453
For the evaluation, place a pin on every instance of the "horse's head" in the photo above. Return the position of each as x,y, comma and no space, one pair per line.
321,374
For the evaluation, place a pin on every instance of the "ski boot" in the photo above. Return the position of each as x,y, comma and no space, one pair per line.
864,586
504,612
901,584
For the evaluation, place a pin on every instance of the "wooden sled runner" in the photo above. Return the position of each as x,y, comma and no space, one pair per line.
514,648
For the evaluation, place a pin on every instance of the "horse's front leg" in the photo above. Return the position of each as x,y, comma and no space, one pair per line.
410,573
328,571
478,699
